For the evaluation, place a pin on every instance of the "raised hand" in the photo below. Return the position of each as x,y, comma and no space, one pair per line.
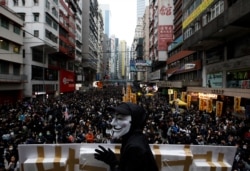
107,156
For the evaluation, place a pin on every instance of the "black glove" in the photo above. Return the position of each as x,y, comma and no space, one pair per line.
107,156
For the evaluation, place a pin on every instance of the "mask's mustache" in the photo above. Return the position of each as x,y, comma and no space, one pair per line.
111,133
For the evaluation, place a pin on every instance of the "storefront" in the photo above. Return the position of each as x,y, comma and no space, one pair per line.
220,101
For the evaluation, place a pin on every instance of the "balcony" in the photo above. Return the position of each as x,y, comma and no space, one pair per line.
10,78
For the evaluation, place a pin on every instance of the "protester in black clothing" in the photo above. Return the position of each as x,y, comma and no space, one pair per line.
127,124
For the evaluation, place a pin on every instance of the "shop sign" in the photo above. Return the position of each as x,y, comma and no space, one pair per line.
217,91
207,96
170,91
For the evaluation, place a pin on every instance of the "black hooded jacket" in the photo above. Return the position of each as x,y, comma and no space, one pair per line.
136,154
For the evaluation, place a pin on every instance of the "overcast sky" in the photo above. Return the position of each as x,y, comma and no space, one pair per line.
123,18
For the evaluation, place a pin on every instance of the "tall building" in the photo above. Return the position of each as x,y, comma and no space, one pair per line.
112,57
219,30
122,58
117,74
160,36
89,40
145,29
12,77
106,56
106,13
141,5
137,45
100,55
183,66
49,46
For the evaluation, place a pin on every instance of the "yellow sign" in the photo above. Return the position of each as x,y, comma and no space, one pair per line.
202,7
219,106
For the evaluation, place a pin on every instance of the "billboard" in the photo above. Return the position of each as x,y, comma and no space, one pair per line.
202,7
165,26
139,65
67,81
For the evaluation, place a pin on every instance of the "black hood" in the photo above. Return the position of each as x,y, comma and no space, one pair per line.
138,114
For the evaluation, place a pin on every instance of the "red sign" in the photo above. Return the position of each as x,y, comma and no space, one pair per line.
165,36
166,10
67,81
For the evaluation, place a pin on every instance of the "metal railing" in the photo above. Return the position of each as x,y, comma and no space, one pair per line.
13,78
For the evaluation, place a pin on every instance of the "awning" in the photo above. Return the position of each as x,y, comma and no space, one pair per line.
172,72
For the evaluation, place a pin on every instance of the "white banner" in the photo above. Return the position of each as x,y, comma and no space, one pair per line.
80,157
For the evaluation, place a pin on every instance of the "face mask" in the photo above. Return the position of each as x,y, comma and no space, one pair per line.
121,125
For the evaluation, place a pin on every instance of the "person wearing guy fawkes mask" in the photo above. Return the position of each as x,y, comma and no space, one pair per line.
135,154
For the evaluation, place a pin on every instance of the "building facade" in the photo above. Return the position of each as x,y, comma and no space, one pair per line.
49,46
140,9
12,76
106,13
160,36
183,66
89,40
219,31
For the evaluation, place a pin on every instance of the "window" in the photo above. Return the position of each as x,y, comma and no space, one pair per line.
23,1
50,36
197,26
15,2
22,15
16,29
37,73
4,67
56,1
188,33
47,4
23,53
48,20
4,44
36,33
204,20
54,12
36,3
71,66
16,69
5,22
36,16
37,55
16,49
51,74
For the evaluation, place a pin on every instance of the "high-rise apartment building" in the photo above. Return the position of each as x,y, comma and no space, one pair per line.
160,35
183,66
208,61
89,40
220,32
100,55
141,5
106,13
122,58
49,46
12,77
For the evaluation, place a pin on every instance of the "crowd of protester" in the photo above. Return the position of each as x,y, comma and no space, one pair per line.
81,117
